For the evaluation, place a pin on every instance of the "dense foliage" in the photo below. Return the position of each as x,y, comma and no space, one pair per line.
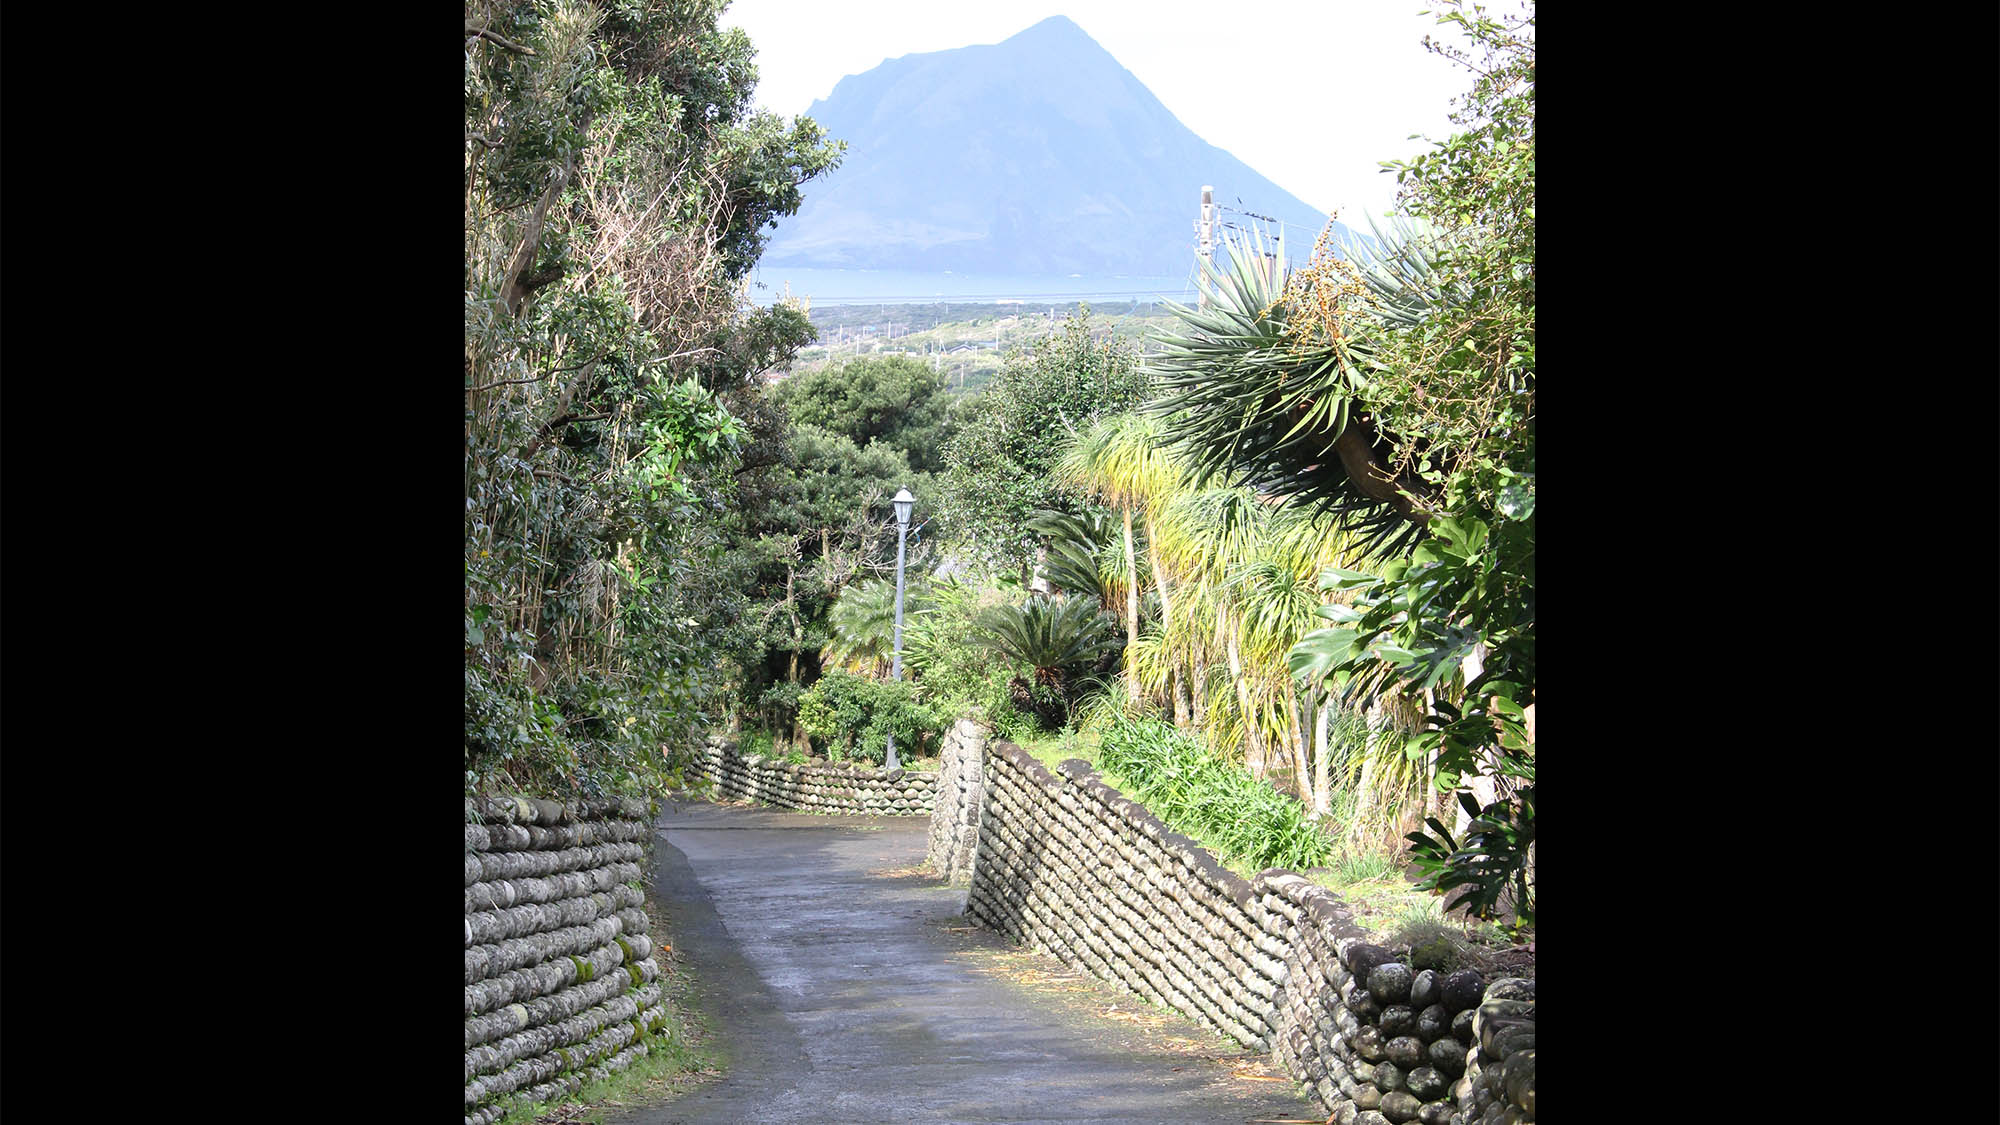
617,188
852,717
1001,461
1398,393
895,400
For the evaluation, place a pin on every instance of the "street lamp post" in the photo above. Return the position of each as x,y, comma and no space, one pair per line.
903,502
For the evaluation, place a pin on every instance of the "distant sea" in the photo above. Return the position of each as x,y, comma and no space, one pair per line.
898,287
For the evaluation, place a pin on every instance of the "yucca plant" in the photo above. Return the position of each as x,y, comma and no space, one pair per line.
1258,399
1062,639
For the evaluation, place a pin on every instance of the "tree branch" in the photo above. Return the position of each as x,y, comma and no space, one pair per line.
536,379
481,31
515,291
1370,473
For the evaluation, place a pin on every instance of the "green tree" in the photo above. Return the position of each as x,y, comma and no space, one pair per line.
895,400
1399,392
1001,463
609,214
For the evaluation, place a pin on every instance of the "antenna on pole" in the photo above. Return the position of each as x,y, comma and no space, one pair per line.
1207,238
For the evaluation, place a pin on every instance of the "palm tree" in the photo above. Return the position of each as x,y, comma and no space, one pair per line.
863,621
1268,394
1122,462
1060,638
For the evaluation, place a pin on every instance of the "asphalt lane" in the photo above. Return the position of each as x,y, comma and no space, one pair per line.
844,986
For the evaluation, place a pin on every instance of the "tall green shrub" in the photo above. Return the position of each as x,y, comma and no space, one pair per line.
852,717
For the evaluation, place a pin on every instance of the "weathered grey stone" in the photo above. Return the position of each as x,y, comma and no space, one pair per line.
1405,1051
1448,1055
1366,1096
1369,1044
1512,988
1425,989
1388,1077
1362,1003
1502,1043
1433,1023
1397,1019
1427,1083
1517,1077
1361,957
1370,1117
1400,1106
1461,1025
1495,1016
1438,1113
1389,983
1462,990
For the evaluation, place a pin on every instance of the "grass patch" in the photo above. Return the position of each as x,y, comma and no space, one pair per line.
1240,818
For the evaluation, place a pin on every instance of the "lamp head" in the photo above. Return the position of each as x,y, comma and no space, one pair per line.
904,502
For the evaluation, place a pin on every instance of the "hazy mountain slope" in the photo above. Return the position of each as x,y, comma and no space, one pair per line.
1038,155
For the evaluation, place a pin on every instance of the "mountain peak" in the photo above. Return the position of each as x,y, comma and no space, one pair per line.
1051,28
1039,155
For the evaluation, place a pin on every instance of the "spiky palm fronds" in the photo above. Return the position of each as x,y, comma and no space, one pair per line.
1256,400
1075,547
863,622
1062,638
1124,462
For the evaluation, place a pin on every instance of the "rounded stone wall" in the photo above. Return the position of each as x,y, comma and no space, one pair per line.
560,981
1066,864
835,787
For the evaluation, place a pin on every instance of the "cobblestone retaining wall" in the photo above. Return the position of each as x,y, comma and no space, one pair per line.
1066,864
960,790
560,981
831,788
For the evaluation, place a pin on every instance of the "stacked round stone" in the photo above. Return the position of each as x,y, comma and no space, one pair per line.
1409,1030
1067,865
560,983
1499,1083
834,788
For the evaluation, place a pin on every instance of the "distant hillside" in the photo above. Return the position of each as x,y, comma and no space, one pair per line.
1036,156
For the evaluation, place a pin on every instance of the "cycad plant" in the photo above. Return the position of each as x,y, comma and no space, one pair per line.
1062,639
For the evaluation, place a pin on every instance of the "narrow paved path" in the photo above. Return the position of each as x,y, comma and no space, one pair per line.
845,987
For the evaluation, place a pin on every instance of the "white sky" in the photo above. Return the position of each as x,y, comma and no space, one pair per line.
1312,93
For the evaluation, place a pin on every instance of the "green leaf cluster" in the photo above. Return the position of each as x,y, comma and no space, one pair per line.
851,717
609,379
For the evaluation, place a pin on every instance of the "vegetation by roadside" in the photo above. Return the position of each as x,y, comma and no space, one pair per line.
1192,792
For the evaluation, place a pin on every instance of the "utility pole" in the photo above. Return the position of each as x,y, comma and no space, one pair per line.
1207,237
